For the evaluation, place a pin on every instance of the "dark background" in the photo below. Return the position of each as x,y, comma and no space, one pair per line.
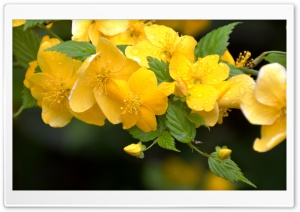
86,157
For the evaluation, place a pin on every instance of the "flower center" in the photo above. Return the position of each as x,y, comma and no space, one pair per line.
132,104
57,97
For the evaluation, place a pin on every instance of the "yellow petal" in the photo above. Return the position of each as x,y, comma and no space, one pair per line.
167,87
228,57
271,135
94,33
17,23
142,80
155,100
127,70
203,97
94,115
271,85
129,119
257,113
160,36
147,120
56,118
110,56
239,84
209,71
210,117
112,27
112,102
186,46
29,72
54,63
141,51
82,96
80,30
180,68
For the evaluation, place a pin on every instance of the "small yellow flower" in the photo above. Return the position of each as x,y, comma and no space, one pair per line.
162,42
224,153
133,149
96,74
51,87
265,105
140,100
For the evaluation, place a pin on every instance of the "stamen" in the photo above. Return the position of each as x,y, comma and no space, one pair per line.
243,59
132,104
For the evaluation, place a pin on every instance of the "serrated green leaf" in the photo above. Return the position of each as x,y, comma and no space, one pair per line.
25,46
276,58
215,42
166,141
27,101
79,50
178,123
33,23
37,69
122,48
196,119
161,69
226,169
141,135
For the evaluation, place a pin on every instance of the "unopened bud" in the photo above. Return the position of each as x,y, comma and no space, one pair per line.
224,153
133,149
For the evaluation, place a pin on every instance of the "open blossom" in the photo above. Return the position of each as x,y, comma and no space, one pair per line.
51,87
265,105
140,100
96,74
163,43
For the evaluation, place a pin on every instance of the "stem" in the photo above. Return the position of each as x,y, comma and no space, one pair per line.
249,71
155,141
196,149
51,33
257,60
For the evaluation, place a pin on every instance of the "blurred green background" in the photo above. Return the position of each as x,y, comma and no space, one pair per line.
87,157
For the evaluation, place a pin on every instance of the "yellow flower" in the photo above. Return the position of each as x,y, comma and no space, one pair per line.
265,105
135,150
29,72
96,74
140,100
162,42
51,87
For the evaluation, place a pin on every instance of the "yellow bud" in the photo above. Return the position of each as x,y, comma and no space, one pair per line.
180,88
133,149
224,153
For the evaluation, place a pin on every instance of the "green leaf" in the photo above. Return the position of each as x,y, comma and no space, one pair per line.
79,50
196,119
226,169
122,48
25,46
33,23
165,140
215,42
141,135
27,101
161,69
178,123
276,58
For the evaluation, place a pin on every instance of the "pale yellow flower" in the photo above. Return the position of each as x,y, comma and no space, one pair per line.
265,105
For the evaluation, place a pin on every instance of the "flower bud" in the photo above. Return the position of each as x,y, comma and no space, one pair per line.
133,149
224,153
180,88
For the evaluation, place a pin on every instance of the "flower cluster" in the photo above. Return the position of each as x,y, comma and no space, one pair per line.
158,84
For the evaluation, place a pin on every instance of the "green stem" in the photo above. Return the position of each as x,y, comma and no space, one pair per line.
257,60
155,141
51,32
196,149
249,71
